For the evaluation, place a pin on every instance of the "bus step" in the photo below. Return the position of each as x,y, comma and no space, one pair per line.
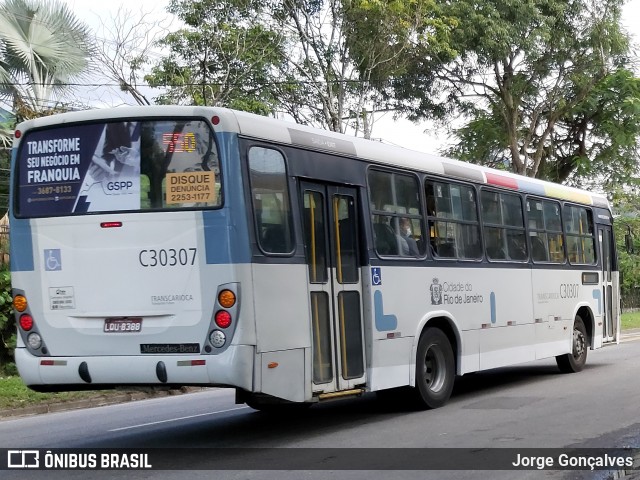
343,393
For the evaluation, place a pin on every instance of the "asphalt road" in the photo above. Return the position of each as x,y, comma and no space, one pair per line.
530,406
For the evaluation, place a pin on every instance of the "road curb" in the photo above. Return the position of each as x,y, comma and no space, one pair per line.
98,401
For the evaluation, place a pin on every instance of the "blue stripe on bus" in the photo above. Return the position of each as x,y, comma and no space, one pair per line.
226,233
20,239
21,246
598,297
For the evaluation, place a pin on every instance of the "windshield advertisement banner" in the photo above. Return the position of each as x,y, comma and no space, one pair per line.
84,168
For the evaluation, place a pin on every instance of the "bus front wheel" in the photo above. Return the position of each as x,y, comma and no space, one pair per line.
574,361
435,369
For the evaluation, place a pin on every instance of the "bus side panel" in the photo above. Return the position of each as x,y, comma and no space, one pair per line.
492,316
392,365
556,296
508,336
281,306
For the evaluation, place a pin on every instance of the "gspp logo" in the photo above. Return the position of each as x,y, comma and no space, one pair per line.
23,459
116,186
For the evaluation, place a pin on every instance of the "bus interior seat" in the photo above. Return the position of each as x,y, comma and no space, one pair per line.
385,239
447,250
273,239
538,250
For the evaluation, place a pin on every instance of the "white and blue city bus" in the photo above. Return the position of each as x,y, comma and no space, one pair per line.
172,246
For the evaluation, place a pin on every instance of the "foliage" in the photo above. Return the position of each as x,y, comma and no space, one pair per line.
6,137
541,87
223,56
326,63
7,323
42,46
627,223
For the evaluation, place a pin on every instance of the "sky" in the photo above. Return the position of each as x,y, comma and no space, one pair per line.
422,137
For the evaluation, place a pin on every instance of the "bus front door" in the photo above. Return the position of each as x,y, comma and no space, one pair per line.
330,221
609,297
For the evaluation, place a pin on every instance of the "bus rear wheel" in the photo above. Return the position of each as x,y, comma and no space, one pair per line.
435,369
575,361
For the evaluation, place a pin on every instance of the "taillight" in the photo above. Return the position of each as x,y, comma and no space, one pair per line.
20,303
223,318
227,298
26,322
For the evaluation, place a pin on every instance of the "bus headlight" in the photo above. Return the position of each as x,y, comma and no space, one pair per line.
34,340
217,338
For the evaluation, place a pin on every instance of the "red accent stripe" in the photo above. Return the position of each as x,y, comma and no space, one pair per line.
507,182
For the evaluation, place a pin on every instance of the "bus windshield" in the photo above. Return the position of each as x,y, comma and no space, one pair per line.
117,166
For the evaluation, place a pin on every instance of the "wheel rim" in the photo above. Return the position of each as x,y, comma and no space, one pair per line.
434,369
579,343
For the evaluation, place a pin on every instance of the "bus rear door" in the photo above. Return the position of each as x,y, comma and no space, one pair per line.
610,303
330,221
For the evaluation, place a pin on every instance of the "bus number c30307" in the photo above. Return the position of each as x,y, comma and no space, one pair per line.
171,257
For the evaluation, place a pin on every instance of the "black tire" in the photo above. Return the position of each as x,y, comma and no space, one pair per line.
435,369
574,362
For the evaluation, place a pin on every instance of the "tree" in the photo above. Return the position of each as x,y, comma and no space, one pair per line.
311,60
124,48
44,47
381,38
543,88
225,56
342,53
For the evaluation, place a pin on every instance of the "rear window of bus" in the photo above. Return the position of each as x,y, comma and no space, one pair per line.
117,166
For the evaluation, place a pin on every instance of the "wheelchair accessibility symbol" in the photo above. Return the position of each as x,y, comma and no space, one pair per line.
52,259
376,276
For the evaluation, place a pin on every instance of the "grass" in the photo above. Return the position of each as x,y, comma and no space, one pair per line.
630,320
14,394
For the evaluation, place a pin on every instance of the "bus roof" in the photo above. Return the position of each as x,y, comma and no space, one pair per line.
280,131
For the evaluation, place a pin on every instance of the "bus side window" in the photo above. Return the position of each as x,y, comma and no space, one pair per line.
396,214
504,230
270,196
454,230
545,231
580,235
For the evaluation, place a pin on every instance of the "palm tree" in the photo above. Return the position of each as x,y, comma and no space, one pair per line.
43,46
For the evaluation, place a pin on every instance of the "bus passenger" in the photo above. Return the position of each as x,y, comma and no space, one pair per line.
405,233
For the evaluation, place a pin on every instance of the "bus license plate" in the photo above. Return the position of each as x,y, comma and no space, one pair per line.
122,325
